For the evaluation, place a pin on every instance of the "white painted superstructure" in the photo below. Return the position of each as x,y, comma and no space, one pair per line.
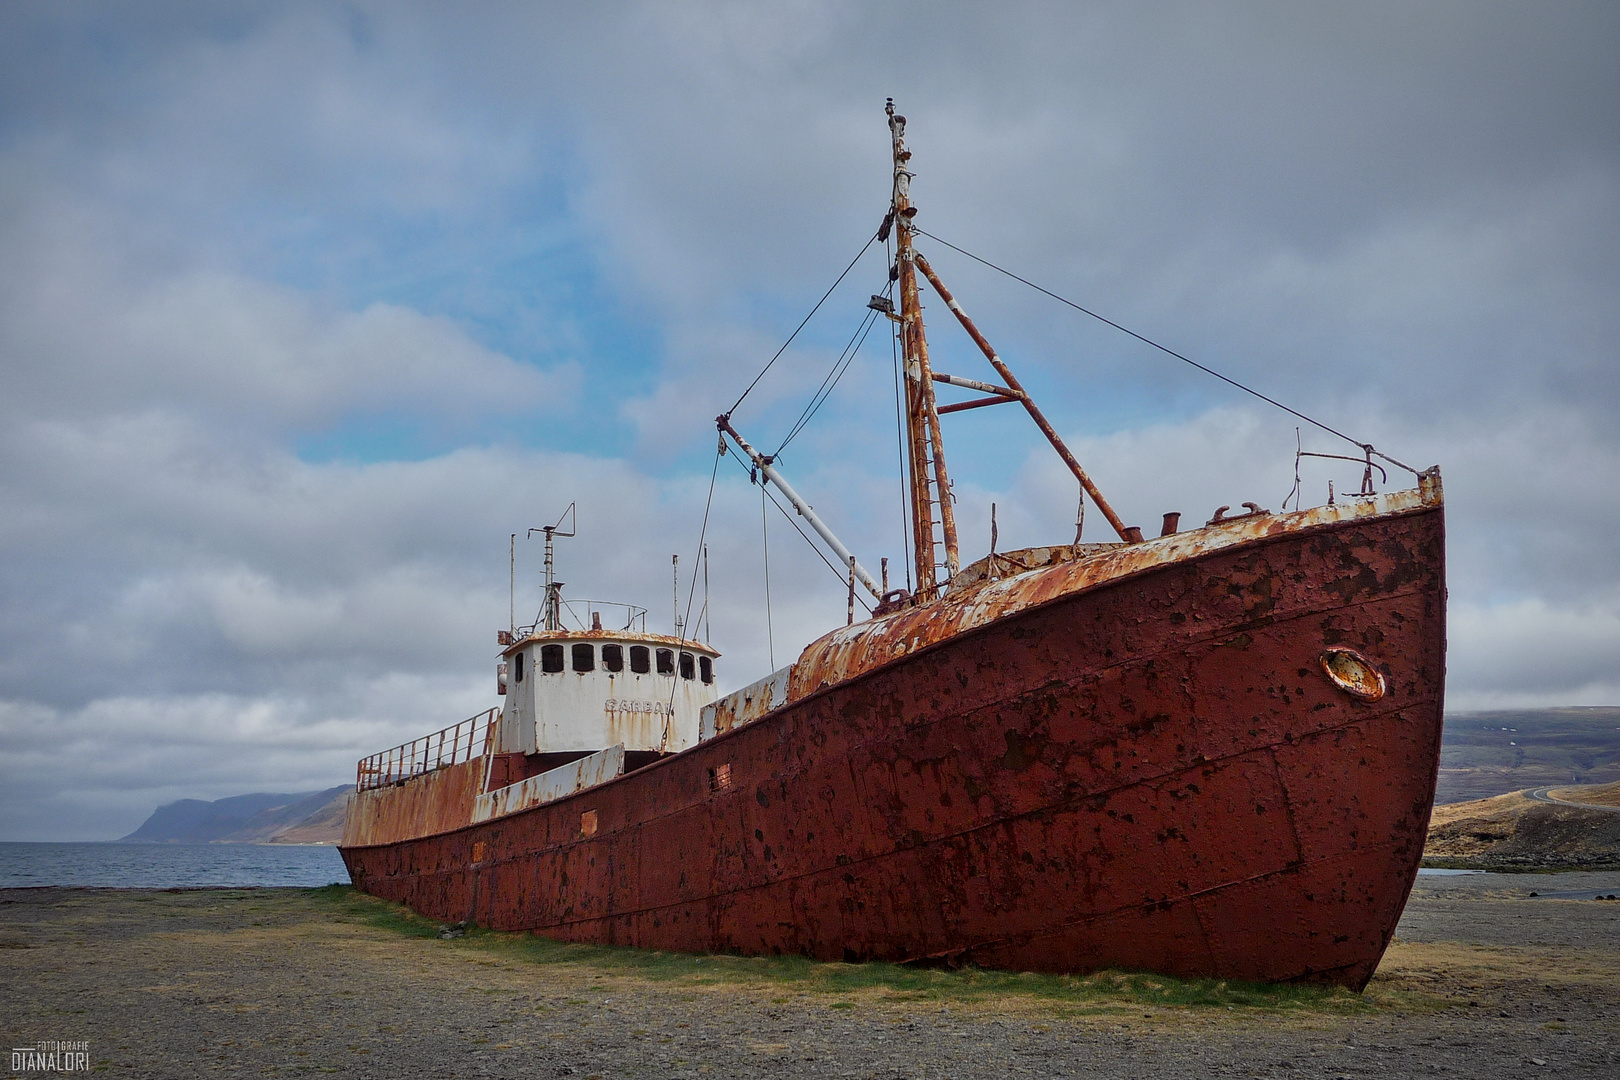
571,691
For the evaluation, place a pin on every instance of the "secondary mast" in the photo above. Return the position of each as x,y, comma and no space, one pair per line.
930,484
553,587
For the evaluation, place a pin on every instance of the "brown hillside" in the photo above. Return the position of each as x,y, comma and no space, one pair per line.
324,826
1515,832
1603,794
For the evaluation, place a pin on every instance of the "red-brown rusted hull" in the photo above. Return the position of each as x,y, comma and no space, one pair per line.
1152,774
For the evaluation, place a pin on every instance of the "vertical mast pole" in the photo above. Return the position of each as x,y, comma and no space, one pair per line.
553,608
922,515
926,446
553,617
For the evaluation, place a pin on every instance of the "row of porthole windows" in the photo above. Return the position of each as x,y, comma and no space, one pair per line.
583,655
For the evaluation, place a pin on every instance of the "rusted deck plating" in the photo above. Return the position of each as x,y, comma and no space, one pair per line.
1138,759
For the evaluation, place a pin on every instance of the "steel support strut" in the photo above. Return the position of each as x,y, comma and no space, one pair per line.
1023,397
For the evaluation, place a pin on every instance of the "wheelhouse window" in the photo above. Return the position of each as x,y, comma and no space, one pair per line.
613,657
584,656
640,659
517,667
706,669
666,661
551,659
688,666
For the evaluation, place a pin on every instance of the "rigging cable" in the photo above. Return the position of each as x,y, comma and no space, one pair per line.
834,376
801,325
1367,447
702,535
765,539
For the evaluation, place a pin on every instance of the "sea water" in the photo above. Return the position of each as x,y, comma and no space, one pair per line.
167,866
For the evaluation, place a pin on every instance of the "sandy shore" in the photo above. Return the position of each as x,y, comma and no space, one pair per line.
1484,981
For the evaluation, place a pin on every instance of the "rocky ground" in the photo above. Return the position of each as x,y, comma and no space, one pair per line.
1486,980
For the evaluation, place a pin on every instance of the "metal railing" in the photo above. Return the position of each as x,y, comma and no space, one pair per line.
635,618
456,743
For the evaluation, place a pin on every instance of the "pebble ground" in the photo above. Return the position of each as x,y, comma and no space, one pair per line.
1484,981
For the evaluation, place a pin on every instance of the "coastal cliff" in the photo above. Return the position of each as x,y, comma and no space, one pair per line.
310,817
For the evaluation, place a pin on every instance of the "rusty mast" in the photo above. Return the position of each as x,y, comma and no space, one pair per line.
928,484
932,514
929,480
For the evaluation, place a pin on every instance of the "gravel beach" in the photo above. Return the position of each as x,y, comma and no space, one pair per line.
1483,981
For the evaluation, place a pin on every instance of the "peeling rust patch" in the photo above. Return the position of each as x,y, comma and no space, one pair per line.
852,650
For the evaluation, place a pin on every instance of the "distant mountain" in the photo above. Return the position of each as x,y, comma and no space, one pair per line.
324,826
310,817
1492,753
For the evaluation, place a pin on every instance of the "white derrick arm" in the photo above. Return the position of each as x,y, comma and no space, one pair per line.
768,471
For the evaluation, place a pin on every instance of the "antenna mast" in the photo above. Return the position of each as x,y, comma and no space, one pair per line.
553,608
929,481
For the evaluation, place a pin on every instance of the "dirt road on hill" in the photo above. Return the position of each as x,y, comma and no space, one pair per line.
1545,794
1483,982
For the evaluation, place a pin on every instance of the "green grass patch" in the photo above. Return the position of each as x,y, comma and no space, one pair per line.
395,918
1105,991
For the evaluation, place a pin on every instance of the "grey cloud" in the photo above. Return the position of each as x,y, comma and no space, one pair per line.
87,332
1401,218
1384,186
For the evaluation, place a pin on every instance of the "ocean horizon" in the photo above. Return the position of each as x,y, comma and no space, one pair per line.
117,865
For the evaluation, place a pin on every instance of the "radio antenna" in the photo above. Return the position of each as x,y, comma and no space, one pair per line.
553,586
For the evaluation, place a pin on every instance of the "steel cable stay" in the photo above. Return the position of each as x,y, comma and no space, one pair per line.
703,533
1365,447
810,411
835,374
768,365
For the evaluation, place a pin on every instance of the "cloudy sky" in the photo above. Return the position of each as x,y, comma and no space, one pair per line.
305,308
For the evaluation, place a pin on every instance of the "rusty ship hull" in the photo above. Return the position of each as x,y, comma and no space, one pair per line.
1130,762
